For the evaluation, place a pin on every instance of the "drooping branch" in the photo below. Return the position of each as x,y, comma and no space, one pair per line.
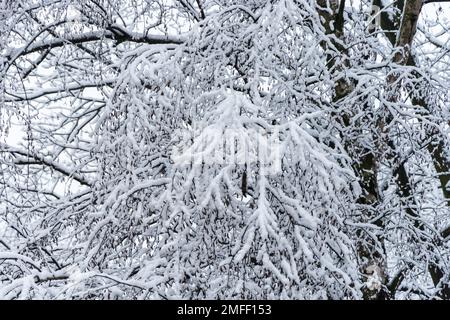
115,32
445,233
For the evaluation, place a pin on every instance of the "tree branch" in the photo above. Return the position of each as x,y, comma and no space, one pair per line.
445,233
434,1
49,91
115,33
49,163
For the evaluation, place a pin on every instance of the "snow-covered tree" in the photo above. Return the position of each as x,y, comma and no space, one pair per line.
257,149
